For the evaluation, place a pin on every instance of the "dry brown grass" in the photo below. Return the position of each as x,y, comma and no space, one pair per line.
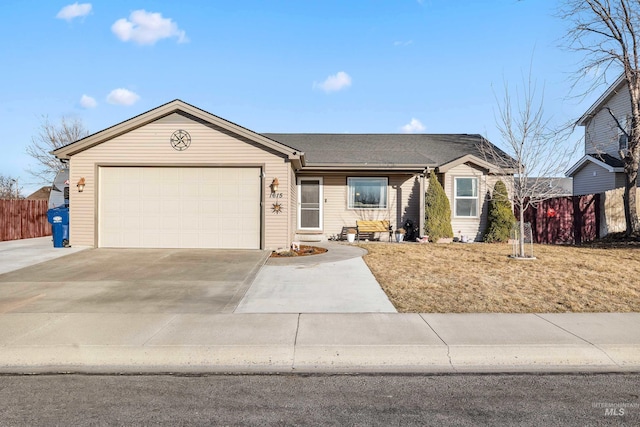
476,278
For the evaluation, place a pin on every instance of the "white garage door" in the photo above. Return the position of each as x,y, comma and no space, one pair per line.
179,207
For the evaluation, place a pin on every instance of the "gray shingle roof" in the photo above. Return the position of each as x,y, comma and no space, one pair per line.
552,187
612,161
381,149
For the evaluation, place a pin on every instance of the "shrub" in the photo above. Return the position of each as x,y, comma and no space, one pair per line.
437,211
500,219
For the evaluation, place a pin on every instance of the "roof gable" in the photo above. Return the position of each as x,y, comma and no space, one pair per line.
175,106
618,85
470,158
605,161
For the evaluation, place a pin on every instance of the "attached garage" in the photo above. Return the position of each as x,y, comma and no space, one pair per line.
180,177
179,207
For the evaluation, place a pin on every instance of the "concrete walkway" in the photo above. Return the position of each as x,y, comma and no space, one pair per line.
162,342
337,281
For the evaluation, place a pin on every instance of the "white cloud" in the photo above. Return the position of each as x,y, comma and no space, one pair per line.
414,126
74,11
403,43
122,97
146,28
334,83
88,102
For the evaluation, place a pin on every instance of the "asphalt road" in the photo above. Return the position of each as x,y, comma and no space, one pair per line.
594,399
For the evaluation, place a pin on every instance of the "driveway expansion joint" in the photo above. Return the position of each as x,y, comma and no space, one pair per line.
160,329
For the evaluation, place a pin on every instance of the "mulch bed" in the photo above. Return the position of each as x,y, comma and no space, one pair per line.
303,251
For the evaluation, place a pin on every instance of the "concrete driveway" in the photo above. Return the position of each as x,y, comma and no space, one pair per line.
133,281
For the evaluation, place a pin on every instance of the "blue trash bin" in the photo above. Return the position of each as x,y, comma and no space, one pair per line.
59,220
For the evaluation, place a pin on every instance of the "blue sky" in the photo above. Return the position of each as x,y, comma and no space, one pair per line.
357,66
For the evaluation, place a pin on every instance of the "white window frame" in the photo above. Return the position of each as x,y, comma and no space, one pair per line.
320,196
456,197
361,178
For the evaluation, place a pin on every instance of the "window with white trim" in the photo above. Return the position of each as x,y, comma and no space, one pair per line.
466,197
367,193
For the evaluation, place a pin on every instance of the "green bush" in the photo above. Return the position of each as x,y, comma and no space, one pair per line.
437,211
500,219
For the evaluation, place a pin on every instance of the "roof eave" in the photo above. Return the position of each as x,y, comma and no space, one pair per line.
363,167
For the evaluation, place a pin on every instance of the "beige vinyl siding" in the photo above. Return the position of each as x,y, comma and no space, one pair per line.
403,195
473,228
592,179
601,132
149,146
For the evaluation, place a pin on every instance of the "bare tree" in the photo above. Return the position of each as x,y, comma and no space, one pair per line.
535,147
606,32
9,188
50,137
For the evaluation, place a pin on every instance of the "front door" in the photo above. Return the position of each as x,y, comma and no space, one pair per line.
310,203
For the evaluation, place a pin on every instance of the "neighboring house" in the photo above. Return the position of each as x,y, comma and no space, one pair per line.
601,168
178,176
40,194
550,187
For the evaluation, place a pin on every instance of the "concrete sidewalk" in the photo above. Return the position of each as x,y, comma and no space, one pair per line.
17,254
328,343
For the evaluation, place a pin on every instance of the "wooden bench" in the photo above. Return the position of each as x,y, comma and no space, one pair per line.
373,226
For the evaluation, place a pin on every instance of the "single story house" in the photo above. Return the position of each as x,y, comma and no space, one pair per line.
601,169
180,177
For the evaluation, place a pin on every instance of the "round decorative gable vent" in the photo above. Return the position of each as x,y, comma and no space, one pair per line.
180,140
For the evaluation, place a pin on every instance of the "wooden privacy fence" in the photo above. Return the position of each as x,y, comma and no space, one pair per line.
23,219
568,220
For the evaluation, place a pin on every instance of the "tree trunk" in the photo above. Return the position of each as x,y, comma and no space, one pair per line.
630,193
521,242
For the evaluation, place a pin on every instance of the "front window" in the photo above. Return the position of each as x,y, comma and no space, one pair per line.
367,193
466,202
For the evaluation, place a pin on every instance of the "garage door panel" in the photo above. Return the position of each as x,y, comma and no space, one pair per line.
179,207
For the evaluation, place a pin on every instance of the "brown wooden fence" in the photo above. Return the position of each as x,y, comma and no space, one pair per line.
568,220
23,219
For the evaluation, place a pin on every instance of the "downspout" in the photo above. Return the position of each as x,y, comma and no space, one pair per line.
422,195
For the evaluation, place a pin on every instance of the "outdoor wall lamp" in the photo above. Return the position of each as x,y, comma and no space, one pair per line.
80,185
274,185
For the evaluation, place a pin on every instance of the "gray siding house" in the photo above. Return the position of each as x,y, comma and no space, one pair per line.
601,169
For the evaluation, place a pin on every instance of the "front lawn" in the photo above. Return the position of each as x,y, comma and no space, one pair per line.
480,277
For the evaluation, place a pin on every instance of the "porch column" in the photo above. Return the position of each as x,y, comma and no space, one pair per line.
421,209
